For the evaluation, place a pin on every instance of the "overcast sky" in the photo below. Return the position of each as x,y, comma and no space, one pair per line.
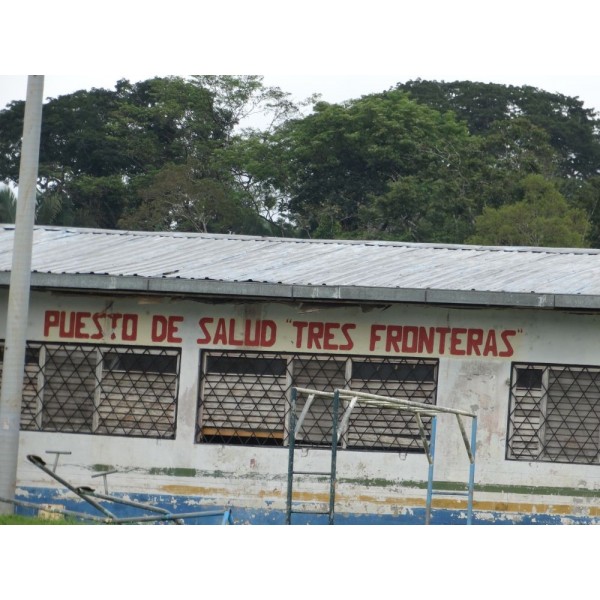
340,49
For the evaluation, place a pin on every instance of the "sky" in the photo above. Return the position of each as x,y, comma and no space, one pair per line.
342,50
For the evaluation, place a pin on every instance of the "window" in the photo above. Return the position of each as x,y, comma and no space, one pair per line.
244,398
127,391
30,384
554,414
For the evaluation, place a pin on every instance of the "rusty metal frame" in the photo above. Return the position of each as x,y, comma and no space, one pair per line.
154,514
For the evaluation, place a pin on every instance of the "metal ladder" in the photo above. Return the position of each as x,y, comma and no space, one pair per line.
295,425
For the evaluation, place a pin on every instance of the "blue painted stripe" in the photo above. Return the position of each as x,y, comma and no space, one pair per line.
245,516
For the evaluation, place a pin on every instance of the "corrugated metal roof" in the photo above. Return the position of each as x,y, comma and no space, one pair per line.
293,262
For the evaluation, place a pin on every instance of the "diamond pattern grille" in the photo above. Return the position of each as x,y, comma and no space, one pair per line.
554,414
245,398
102,390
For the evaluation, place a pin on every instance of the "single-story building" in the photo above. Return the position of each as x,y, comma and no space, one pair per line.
169,358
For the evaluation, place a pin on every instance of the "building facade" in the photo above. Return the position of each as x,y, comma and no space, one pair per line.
170,359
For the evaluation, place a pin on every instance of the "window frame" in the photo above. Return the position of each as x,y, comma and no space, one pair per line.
299,367
135,418
547,435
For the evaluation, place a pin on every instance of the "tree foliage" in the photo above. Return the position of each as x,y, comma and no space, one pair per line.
572,129
542,218
344,161
425,161
105,153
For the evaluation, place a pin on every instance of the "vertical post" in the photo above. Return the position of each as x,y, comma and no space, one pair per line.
472,472
334,442
18,297
291,447
430,472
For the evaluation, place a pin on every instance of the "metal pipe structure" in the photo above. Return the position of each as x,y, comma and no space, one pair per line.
419,409
18,297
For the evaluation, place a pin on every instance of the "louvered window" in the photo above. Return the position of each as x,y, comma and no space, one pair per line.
128,391
554,414
244,398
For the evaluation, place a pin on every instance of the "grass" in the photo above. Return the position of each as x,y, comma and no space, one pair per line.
23,520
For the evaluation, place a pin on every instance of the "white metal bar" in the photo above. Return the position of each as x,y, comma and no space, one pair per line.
424,438
465,439
303,414
346,417
408,403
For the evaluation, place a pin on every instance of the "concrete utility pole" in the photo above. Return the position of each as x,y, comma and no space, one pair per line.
18,295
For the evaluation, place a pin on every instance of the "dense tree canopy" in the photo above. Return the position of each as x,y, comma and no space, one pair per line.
542,218
105,154
342,158
426,161
572,129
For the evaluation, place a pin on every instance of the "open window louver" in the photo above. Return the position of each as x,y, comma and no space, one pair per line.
244,398
126,391
554,414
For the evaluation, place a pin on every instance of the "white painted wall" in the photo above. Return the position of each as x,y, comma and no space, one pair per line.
254,475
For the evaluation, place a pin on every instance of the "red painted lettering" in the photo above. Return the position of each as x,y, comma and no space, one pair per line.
99,334
393,338
315,333
491,346
504,336
249,339
220,336
51,319
80,325
375,337
300,326
346,327
268,333
206,335
474,340
443,331
232,340
114,322
130,323
410,339
329,336
63,330
165,329
426,339
158,330
456,340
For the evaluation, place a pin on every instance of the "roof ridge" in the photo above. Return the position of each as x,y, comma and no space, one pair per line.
358,242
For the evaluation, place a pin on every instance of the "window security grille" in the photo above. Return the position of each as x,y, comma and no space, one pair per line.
244,398
122,391
554,414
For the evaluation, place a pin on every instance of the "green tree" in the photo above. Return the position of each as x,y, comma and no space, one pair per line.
46,211
103,153
586,196
542,218
180,198
573,130
8,205
343,157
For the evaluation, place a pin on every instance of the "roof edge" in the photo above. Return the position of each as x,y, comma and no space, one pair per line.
270,291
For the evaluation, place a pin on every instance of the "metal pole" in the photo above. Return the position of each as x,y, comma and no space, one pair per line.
334,442
472,472
429,500
292,446
18,296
